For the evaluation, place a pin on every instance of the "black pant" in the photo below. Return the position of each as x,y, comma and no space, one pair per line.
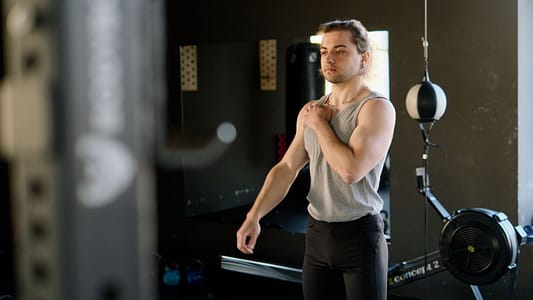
345,260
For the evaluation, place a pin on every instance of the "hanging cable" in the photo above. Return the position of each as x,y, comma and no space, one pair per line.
426,103
425,190
425,42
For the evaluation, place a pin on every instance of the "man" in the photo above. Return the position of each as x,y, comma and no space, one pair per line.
345,137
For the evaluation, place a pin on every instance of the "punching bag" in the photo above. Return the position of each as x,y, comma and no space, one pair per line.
303,81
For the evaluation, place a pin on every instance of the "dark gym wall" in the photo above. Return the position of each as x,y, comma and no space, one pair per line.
473,56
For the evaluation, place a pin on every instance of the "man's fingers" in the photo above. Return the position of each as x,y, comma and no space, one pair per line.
250,243
247,237
246,243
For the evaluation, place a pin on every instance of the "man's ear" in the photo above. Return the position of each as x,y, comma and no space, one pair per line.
365,57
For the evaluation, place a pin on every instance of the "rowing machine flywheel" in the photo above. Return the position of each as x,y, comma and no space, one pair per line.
478,245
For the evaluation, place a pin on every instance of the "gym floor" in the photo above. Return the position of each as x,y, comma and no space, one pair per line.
235,286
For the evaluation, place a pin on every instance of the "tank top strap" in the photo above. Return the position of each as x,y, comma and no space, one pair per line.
359,103
324,99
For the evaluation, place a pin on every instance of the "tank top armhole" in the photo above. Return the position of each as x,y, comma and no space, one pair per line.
373,96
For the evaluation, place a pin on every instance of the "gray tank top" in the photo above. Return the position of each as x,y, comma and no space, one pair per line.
330,198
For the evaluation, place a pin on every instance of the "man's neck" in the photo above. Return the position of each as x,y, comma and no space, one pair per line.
347,92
